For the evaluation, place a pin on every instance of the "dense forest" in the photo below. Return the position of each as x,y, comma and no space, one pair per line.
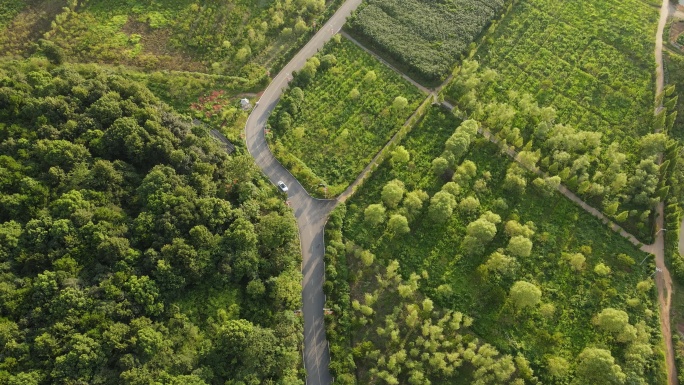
133,248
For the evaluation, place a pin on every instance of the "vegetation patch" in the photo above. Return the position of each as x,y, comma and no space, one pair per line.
238,37
24,22
674,76
592,61
139,250
424,37
618,175
9,9
341,109
549,288
674,65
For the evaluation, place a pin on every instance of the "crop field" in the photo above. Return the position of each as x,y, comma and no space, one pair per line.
592,60
424,37
534,235
239,37
347,108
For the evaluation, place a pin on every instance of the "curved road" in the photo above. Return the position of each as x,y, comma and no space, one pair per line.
311,213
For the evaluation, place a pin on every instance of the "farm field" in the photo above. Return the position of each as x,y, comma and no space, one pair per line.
425,38
471,242
593,61
339,111
239,37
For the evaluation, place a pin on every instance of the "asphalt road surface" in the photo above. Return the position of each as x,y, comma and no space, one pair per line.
311,213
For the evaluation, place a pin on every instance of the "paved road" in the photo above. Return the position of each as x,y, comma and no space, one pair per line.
311,213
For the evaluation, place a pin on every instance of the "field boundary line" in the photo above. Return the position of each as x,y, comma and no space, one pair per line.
380,156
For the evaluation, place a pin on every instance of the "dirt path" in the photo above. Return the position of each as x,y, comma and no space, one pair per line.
660,73
663,279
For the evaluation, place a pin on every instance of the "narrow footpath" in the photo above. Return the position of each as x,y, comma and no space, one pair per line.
663,278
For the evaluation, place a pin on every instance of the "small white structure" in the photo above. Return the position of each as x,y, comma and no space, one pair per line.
245,104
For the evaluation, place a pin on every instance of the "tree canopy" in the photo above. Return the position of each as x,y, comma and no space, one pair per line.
134,249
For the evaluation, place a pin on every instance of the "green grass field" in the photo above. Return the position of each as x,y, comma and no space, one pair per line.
342,117
571,296
593,61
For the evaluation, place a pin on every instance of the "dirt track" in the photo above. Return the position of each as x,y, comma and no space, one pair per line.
663,279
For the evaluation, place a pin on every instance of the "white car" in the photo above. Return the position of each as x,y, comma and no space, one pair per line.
282,185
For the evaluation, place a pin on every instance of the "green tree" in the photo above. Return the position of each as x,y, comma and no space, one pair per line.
519,246
370,77
525,294
601,269
441,206
84,356
558,367
440,166
398,224
393,193
500,264
482,229
597,366
612,320
399,103
400,156
276,230
375,214
458,144
469,205
576,261
413,202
